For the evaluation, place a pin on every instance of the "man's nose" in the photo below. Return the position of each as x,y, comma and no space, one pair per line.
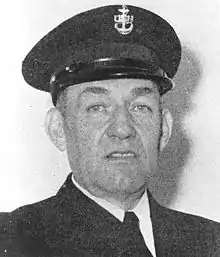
121,126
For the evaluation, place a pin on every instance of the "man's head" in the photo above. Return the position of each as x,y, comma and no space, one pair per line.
106,70
113,131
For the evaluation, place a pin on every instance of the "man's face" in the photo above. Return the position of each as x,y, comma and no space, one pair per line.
112,131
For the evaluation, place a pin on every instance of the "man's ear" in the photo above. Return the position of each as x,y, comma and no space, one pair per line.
166,128
54,126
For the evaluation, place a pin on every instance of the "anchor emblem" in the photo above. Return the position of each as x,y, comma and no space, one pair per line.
124,22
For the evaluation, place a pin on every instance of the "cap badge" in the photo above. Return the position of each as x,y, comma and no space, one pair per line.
124,22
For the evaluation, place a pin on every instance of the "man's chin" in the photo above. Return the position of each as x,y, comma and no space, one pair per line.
126,168
123,188
122,180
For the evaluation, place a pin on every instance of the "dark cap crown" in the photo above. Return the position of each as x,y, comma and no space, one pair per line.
103,33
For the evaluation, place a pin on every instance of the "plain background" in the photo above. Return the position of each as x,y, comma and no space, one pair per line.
32,169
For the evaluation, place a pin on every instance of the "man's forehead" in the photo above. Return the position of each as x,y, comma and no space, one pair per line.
106,87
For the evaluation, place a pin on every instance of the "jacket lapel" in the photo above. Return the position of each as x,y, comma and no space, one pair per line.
82,224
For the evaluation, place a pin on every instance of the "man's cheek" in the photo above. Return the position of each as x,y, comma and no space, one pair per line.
86,129
86,141
149,142
82,130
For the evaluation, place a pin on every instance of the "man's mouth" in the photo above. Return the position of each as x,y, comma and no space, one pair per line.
117,155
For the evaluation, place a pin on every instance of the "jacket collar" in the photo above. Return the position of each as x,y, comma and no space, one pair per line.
174,232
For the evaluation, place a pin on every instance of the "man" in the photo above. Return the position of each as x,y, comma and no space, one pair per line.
106,70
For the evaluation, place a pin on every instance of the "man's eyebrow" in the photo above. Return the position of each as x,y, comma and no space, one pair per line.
142,91
95,90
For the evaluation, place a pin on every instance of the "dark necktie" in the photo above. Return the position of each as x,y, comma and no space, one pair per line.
134,242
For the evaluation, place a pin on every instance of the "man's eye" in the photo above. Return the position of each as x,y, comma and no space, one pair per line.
96,108
141,108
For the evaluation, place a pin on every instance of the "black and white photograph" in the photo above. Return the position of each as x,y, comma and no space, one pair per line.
110,128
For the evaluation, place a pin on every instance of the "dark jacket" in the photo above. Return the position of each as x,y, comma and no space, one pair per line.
71,224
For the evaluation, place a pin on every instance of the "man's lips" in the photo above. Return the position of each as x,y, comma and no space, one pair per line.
121,154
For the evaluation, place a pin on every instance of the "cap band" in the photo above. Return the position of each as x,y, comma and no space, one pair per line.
108,68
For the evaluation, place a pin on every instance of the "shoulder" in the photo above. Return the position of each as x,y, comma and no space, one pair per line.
202,232
178,231
181,219
192,220
20,226
26,212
